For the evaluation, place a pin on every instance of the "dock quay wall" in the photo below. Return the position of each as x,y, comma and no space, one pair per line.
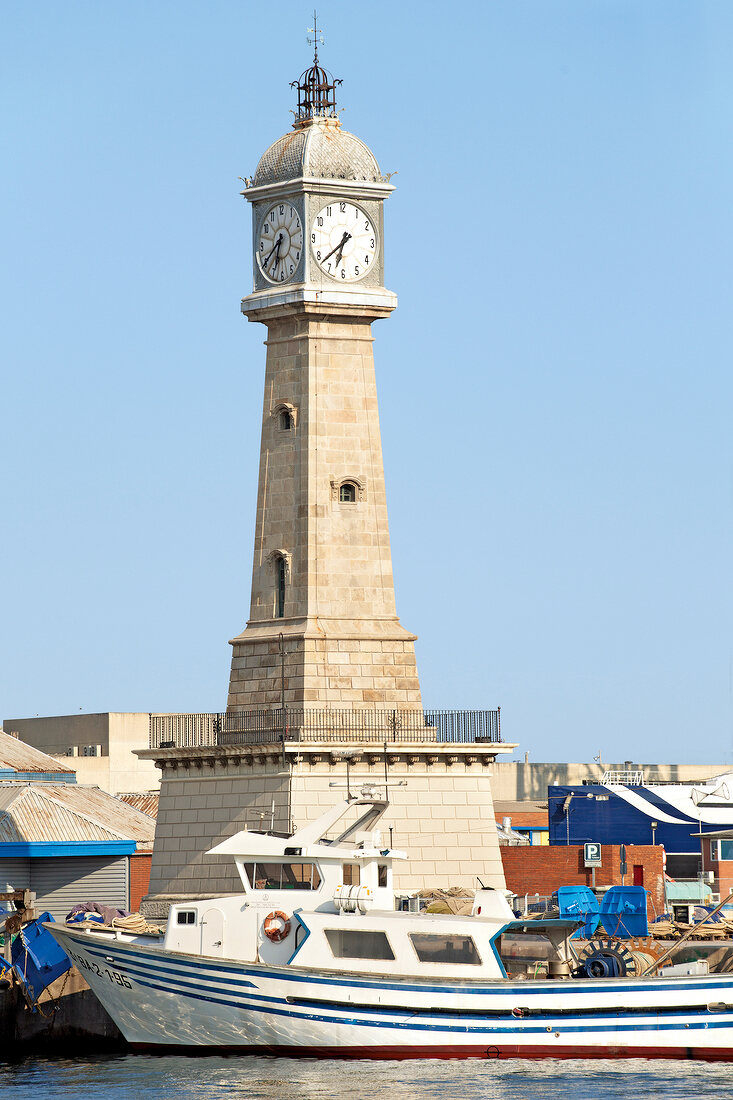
68,1019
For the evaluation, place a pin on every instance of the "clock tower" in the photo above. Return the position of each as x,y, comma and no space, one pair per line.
323,630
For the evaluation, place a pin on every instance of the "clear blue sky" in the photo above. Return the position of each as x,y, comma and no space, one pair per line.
555,387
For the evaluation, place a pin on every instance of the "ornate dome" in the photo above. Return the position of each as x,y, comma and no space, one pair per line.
321,150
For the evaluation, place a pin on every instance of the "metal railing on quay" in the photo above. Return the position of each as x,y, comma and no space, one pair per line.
278,724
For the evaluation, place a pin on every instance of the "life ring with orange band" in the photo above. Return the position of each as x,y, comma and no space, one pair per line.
277,926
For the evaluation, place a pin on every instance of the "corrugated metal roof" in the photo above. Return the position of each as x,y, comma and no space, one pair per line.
146,802
67,812
20,757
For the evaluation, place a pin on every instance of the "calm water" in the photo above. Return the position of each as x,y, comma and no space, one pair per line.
135,1077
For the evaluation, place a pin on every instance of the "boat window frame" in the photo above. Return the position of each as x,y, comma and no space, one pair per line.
351,870
466,936
249,869
360,933
557,931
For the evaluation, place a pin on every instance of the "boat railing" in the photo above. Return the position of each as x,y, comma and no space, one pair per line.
326,726
623,778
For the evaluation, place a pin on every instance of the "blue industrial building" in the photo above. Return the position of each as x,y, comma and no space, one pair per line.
637,813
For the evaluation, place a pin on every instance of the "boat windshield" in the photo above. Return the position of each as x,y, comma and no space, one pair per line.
282,876
525,955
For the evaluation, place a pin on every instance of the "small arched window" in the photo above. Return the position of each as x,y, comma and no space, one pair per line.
280,588
286,420
347,493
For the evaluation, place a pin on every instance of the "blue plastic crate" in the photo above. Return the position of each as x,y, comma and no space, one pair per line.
37,958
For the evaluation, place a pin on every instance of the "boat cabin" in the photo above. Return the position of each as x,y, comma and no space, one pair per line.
323,898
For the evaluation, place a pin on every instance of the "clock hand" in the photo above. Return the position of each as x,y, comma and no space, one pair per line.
346,237
275,245
339,246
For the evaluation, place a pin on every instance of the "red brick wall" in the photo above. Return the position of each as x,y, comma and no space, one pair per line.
723,871
139,878
540,870
524,818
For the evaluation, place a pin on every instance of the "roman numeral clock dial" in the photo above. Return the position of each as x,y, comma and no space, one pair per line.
343,241
280,243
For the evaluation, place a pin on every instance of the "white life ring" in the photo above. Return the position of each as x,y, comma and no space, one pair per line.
277,926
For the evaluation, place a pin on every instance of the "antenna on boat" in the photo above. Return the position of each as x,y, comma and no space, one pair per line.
348,756
368,788
263,815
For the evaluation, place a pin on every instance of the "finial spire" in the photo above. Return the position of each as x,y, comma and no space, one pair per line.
316,87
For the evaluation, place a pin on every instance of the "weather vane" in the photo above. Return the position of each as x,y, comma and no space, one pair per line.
317,37
316,87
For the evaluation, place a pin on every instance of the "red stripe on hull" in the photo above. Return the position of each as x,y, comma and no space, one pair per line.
503,1052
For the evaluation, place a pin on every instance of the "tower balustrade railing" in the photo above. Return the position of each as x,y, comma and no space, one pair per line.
326,726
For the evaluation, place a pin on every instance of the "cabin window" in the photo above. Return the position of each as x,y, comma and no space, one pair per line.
283,876
187,917
355,944
445,949
525,955
351,874
381,874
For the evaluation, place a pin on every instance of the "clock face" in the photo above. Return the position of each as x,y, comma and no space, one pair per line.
280,242
343,241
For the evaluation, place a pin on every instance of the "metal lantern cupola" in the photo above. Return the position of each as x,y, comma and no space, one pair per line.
316,95
316,89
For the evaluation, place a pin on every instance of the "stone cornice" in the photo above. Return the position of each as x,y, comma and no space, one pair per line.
363,303
352,189
209,756
320,627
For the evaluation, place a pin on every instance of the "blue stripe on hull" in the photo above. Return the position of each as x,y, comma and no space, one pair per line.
485,1026
722,982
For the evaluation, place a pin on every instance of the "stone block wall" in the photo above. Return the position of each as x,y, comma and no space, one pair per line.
201,805
325,670
443,817
344,644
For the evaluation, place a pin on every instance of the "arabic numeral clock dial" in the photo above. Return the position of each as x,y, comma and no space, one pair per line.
343,240
280,242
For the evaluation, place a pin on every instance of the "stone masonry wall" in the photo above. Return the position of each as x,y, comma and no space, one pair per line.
443,818
344,644
198,808
342,672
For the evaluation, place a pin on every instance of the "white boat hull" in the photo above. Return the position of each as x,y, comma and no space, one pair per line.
164,999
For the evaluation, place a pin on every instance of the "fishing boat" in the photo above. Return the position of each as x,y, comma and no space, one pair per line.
313,958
